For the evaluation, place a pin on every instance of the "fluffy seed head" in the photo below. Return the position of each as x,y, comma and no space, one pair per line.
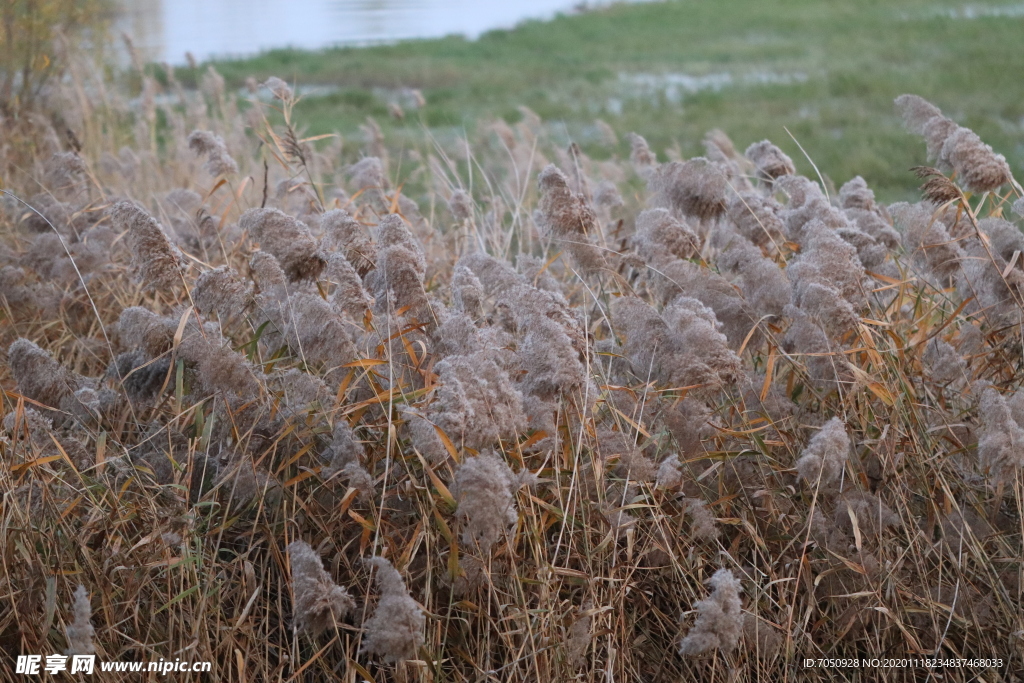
694,188
916,112
461,205
717,143
496,276
670,473
979,168
756,217
855,194
63,173
80,631
279,89
661,235
681,348
368,174
142,329
703,524
400,282
607,195
829,260
1001,442
771,162
694,327
219,368
552,364
825,456
288,239
564,212
719,618
395,631
484,489
392,231
39,376
641,156
156,262
765,285
221,291
347,235
314,329
936,132
348,295
319,602
925,237
943,363
467,292
477,404
344,448
267,275
218,160
826,306
954,147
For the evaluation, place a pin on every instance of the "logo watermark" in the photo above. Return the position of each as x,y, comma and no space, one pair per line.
34,665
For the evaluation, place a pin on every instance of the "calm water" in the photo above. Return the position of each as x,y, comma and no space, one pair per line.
166,29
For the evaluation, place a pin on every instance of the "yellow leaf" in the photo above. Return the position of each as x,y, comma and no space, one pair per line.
442,526
365,363
537,436
319,137
768,372
446,495
18,469
449,446
632,423
299,477
365,523
879,390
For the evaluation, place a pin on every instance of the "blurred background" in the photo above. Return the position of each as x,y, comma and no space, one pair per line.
164,30
821,73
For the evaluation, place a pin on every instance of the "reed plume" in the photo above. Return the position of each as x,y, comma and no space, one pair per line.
719,622
395,631
319,602
287,239
218,160
80,631
157,263
823,460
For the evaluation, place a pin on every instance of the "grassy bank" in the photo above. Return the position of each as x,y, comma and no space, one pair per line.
828,71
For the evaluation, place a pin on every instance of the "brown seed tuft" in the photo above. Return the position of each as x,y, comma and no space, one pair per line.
218,160
719,618
80,631
319,602
288,239
156,262
395,631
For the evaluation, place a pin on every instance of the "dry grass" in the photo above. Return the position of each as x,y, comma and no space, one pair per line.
174,490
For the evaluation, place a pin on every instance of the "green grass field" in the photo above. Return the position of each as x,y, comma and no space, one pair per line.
826,70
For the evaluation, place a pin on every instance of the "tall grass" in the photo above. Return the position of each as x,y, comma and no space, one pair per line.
492,410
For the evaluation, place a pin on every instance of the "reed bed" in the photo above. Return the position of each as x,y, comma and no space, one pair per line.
490,410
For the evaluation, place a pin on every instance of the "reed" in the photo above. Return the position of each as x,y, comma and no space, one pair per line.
453,418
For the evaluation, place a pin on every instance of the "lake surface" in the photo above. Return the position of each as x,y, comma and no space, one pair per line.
164,30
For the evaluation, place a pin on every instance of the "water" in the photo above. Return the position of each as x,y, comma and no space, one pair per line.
164,30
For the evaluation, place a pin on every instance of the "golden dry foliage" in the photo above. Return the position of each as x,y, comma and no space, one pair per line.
745,433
